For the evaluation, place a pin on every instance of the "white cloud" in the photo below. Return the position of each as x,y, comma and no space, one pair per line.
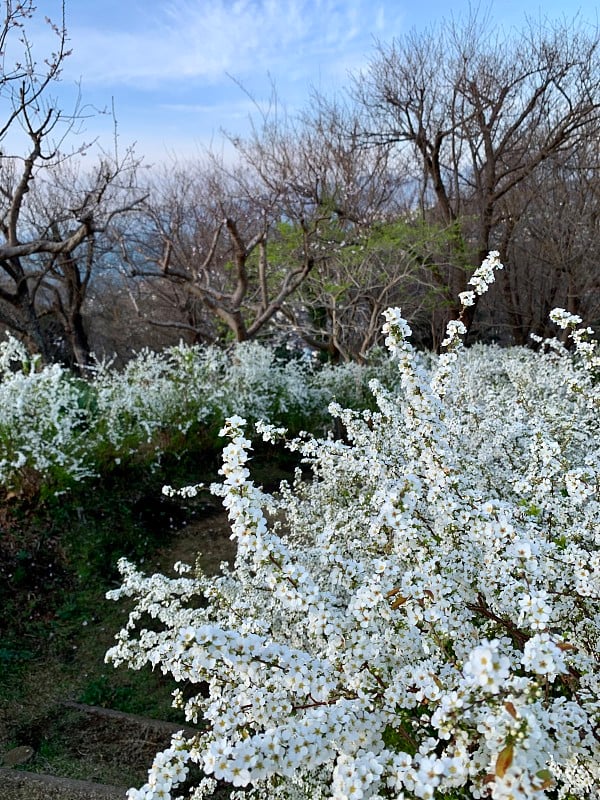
233,110
197,39
171,66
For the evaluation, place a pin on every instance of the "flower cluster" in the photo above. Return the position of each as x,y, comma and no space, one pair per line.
586,349
43,422
419,620
56,429
482,278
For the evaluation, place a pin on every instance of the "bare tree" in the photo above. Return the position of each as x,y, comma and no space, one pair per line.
480,111
51,210
301,234
552,238
60,281
207,231
351,206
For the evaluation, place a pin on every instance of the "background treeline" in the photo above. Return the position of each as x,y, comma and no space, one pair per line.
451,142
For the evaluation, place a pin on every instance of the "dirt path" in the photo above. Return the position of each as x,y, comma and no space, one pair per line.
103,750
206,538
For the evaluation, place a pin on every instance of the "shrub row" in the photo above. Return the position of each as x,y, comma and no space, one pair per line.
57,429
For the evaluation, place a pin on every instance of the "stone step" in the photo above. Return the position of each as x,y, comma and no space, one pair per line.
19,785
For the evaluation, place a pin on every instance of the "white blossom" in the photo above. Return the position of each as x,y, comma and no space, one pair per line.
419,620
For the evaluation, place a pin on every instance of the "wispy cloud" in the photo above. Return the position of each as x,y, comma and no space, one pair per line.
232,110
169,67
200,40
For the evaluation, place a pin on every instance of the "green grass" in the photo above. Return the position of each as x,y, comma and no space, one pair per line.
57,560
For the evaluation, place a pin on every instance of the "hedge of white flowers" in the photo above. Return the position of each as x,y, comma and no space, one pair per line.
56,429
419,620
43,422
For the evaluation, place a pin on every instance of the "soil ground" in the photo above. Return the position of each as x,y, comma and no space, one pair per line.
45,726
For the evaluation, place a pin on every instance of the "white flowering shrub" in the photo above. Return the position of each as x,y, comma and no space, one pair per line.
422,619
154,393
258,386
43,423
349,383
184,389
55,429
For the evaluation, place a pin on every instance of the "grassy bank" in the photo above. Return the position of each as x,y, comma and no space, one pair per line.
57,560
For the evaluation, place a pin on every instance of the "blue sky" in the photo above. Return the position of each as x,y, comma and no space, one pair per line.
174,68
